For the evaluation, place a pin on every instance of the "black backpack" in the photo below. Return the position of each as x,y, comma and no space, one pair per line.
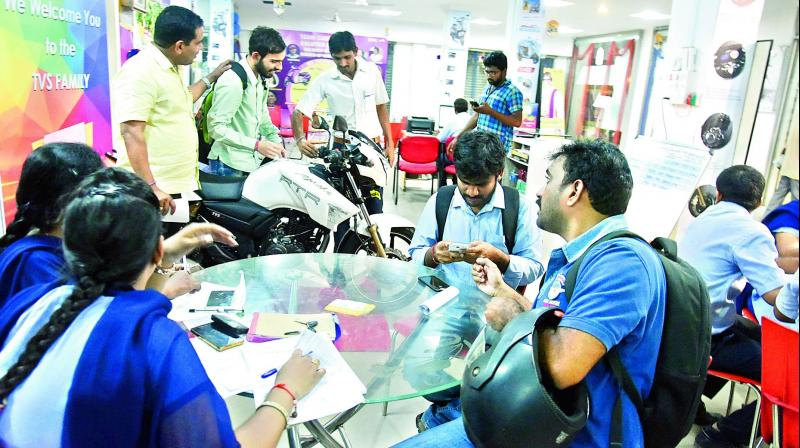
668,411
204,139
509,213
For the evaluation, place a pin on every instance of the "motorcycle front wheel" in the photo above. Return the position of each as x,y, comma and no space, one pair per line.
396,248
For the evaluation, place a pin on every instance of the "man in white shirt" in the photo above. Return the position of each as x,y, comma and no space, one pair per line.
355,91
457,123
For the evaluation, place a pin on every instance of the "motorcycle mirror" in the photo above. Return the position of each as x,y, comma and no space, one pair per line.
323,124
339,124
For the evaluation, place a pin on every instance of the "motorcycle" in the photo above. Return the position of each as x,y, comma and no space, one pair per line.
291,206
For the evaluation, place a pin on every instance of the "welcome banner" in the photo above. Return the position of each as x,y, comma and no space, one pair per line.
55,81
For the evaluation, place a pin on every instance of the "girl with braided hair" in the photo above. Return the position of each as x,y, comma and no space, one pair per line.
97,362
30,251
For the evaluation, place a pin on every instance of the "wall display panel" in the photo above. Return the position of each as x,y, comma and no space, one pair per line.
55,83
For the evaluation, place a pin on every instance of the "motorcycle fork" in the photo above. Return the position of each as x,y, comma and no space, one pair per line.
372,228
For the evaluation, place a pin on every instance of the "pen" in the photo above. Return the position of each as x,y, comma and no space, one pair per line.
269,373
215,310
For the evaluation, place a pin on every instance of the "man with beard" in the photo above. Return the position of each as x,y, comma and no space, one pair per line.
239,120
475,218
617,302
500,108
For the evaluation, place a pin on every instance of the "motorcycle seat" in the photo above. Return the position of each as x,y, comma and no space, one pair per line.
220,188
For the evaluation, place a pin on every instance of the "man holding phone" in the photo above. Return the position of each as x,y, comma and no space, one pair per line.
500,107
475,226
474,221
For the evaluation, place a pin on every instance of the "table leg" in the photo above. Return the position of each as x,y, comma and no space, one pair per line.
333,425
294,437
321,434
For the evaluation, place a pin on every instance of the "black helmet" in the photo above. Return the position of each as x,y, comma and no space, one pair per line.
505,401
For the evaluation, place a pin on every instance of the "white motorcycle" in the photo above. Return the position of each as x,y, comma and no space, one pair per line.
291,206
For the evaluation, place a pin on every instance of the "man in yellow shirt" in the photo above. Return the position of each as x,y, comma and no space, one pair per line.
154,109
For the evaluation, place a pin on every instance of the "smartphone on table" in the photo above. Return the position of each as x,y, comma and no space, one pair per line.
212,336
433,282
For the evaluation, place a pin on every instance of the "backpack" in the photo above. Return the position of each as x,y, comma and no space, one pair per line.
509,213
668,411
204,139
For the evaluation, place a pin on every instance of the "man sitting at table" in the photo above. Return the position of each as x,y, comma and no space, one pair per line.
617,302
475,217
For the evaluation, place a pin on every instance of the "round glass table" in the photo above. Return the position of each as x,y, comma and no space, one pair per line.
394,350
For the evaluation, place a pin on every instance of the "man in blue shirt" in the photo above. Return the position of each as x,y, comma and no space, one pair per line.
474,217
500,108
725,244
618,300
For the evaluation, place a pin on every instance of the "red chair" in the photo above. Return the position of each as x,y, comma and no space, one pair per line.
275,115
418,155
397,131
449,169
779,384
752,385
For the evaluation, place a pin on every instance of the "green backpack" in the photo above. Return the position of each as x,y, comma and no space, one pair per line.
202,124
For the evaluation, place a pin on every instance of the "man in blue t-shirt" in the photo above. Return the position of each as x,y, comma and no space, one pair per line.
618,300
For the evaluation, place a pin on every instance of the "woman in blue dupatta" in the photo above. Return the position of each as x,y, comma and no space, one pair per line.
30,251
97,362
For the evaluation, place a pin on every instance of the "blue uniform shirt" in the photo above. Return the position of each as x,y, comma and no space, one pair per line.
506,99
619,298
465,226
725,244
31,260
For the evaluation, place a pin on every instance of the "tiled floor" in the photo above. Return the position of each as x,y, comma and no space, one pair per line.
370,429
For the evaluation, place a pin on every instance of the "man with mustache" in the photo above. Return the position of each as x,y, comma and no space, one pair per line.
239,120
475,218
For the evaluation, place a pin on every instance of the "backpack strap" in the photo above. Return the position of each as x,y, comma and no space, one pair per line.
443,198
237,68
510,213
612,357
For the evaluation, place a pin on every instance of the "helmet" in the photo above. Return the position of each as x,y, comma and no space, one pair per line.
506,402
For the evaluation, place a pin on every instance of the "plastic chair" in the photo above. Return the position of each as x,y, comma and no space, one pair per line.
275,115
418,155
752,385
397,131
449,169
779,384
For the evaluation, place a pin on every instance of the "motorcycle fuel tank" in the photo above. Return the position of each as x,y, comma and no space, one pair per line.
286,183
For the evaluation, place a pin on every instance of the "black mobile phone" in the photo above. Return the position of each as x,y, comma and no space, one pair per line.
433,282
220,298
228,326
220,341
474,103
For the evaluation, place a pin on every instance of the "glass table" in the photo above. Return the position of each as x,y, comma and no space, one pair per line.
394,350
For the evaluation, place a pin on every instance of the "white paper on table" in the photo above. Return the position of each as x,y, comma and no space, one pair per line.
339,390
227,370
199,300
181,211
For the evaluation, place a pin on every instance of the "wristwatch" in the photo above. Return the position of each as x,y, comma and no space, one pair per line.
205,80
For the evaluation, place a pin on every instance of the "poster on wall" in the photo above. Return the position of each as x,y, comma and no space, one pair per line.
523,60
220,34
55,85
454,56
307,56
552,109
